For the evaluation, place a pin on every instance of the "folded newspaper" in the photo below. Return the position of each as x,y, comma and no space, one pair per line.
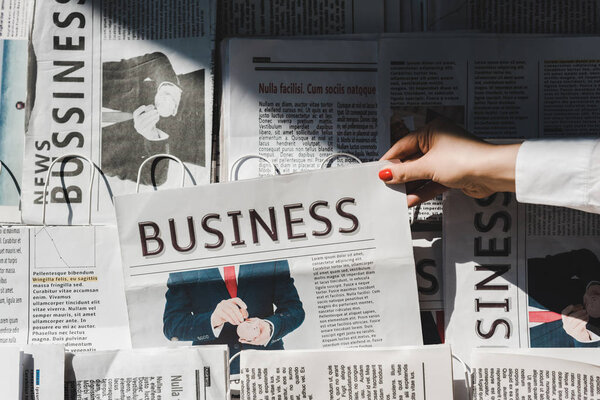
62,284
417,373
11,370
186,373
302,261
43,372
117,82
506,376
519,275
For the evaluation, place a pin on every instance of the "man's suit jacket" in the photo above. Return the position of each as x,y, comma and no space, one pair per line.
131,83
192,296
555,282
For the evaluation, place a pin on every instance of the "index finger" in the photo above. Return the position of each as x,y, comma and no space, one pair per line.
239,303
405,147
567,310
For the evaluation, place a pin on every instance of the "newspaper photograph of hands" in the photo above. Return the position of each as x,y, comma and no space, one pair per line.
248,306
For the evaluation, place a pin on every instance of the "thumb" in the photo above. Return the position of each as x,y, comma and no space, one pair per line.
407,171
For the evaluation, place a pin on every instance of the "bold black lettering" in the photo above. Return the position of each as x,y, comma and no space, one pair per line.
434,286
63,75
486,227
68,45
191,231
491,251
236,227
70,18
213,231
68,139
42,162
347,215
492,330
75,161
290,222
272,231
481,304
68,114
313,213
70,194
498,270
144,238
43,145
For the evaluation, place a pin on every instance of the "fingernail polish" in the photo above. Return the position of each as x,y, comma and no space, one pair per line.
385,174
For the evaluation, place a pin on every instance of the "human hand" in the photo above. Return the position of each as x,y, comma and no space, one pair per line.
232,310
574,319
145,119
167,99
264,335
249,329
442,155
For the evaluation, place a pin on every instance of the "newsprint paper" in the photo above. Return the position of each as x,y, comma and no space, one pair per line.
43,371
185,373
117,81
417,373
519,376
303,261
62,284
519,275
10,373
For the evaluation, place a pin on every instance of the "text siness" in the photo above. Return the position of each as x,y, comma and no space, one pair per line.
65,69
213,225
493,295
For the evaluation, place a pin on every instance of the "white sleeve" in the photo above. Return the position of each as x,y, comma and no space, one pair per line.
564,172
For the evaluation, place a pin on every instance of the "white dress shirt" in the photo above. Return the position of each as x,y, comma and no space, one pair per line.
217,330
563,172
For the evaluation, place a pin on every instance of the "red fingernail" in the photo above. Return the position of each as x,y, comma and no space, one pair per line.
385,174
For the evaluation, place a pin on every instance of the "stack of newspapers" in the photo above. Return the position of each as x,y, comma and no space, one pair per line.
189,206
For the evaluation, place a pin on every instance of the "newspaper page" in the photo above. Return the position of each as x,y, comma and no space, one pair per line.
509,376
519,275
503,87
62,285
287,262
417,373
10,373
296,102
15,19
283,18
523,16
118,82
13,94
43,372
186,373
580,354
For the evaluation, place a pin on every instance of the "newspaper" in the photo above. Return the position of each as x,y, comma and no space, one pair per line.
296,102
10,373
13,93
62,285
418,373
519,275
510,376
187,373
523,16
43,372
117,82
292,262
15,19
282,18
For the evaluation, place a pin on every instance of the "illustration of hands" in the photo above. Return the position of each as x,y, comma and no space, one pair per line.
255,331
145,119
232,310
574,319
167,99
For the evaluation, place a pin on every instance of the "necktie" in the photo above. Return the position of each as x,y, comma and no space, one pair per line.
544,316
230,283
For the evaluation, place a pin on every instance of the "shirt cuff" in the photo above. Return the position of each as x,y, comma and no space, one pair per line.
272,332
216,331
560,172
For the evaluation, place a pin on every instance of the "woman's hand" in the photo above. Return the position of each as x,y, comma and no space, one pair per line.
442,155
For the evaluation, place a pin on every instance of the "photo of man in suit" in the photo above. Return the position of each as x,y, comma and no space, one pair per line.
564,300
250,306
148,109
